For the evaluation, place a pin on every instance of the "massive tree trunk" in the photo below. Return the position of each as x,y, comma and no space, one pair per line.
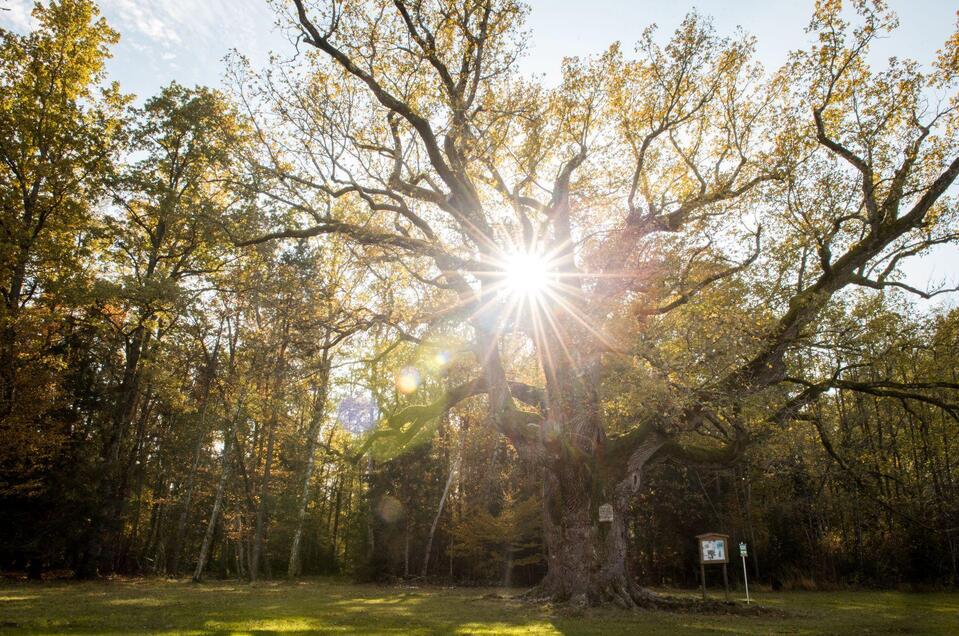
587,560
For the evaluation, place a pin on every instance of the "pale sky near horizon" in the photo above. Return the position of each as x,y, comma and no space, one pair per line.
185,40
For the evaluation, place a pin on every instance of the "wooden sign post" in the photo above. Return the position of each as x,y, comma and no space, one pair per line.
713,549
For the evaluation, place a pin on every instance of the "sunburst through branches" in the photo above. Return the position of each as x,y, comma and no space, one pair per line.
527,275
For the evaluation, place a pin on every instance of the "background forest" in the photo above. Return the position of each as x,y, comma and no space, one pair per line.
176,399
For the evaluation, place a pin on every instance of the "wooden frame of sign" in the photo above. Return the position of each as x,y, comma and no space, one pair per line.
713,550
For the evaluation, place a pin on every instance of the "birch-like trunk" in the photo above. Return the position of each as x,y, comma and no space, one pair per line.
454,465
228,446
319,412
262,509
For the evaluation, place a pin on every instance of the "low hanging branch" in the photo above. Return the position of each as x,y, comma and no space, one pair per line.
901,391
403,425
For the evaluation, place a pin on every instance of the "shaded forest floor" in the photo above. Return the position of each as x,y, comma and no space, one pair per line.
328,606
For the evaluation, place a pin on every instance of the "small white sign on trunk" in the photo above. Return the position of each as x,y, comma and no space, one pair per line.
605,513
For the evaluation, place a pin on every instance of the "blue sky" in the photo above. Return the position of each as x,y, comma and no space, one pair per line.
163,40
185,40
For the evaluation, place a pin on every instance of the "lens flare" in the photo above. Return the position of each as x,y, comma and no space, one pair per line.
390,509
357,413
407,380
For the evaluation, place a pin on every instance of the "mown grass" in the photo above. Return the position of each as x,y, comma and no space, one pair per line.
332,607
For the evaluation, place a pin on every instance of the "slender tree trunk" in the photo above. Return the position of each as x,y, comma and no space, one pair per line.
336,521
137,514
156,516
454,465
184,517
262,509
406,547
9,333
347,511
370,526
228,446
135,461
750,525
180,533
211,524
319,411
331,497
99,550
238,546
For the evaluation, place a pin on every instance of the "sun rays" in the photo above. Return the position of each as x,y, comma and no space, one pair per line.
539,293
533,290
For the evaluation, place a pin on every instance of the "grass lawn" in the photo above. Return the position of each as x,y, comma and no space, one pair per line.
327,606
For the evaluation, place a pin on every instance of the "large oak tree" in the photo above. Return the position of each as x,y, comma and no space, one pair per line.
638,186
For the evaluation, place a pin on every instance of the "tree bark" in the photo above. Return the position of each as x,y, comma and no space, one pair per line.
586,562
587,559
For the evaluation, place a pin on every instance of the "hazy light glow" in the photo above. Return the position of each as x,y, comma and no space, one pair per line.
526,274
408,380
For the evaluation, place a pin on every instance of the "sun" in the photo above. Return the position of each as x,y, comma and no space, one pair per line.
526,274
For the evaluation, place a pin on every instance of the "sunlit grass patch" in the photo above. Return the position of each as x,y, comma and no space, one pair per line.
276,625
18,597
334,607
138,602
506,628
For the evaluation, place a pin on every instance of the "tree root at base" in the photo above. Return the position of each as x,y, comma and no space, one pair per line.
628,595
